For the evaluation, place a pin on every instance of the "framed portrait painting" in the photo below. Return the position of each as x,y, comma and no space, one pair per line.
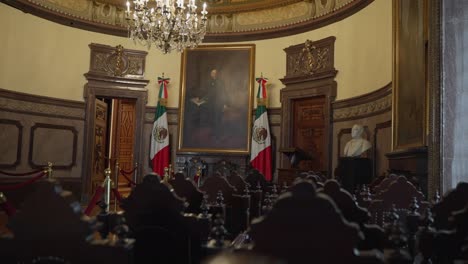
409,74
216,97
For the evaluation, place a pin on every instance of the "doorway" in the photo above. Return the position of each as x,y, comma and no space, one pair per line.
114,133
114,141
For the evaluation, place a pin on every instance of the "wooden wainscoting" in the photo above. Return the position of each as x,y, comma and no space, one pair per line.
36,130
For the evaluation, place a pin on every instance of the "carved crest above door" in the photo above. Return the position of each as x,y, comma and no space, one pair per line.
310,60
117,61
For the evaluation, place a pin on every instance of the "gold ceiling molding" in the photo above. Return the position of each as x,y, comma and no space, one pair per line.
226,6
229,20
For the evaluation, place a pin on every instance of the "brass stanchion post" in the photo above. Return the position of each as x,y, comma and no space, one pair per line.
135,173
108,182
116,182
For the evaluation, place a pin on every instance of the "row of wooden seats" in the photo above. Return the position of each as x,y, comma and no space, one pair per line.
421,240
304,222
240,202
49,227
443,235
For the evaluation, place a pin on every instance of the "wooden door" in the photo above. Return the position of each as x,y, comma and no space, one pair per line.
99,145
124,139
308,130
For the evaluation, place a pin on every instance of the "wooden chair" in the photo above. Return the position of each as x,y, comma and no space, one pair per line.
50,228
376,181
213,184
306,227
374,236
399,194
186,188
153,207
225,168
256,197
237,181
445,246
237,206
345,202
254,178
453,201
384,183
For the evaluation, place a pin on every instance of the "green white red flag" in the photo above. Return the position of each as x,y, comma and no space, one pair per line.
159,152
260,156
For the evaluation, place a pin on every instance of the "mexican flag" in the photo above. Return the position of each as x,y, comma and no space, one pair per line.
260,156
159,152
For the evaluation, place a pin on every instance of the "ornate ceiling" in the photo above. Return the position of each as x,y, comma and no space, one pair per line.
229,20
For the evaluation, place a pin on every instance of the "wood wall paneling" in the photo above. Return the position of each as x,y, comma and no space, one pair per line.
36,129
382,145
30,110
11,138
53,143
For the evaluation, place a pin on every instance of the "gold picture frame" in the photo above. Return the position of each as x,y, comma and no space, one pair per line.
410,105
216,99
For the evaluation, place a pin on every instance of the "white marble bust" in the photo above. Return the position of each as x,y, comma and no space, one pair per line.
357,145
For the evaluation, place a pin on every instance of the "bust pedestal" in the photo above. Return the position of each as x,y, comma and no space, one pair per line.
353,171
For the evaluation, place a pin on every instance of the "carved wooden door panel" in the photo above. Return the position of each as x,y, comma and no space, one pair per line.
99,146
308,130
124,139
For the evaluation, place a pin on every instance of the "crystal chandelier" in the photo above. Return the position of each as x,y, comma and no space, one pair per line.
168,24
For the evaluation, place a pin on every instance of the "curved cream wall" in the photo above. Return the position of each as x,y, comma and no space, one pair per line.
45,58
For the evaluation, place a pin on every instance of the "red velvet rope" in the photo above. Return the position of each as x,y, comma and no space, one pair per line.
128,172
20,185
8,207
128,179
97,196
117,195
19,174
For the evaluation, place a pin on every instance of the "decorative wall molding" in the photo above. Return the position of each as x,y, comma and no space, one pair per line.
24,103
19,144
32,145
311,60
117,61
228,21
362,106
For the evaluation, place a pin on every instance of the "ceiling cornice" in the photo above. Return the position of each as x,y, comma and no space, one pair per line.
259,22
